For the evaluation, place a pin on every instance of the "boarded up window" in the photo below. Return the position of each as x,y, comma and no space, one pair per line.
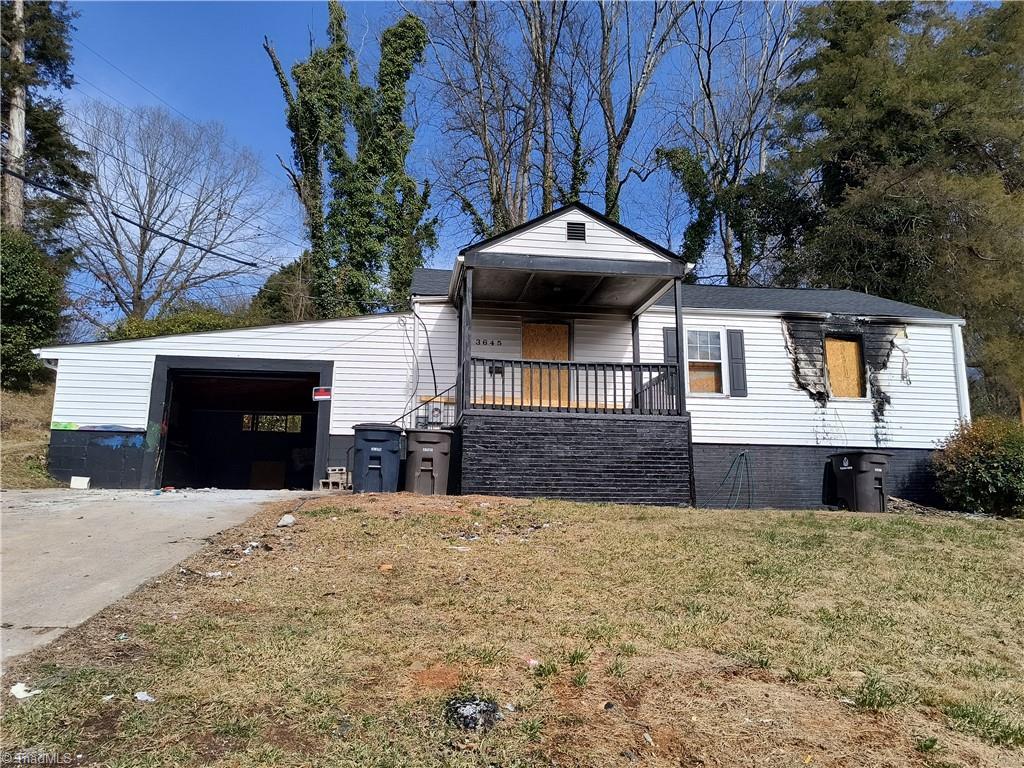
844,365
704,361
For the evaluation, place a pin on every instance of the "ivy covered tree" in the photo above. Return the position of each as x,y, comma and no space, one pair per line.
365,215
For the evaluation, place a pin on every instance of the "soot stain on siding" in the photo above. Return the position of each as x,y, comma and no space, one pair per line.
805,343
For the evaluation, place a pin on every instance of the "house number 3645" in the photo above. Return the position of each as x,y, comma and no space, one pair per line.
486,342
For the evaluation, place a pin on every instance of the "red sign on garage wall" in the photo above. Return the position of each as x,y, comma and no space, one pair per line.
321,393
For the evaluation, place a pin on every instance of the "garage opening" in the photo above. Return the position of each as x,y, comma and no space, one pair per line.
240,430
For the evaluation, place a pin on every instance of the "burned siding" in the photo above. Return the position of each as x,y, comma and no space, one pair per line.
805,344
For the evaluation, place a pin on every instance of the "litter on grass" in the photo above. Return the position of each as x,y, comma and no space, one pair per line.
144,697
472,713
22,691
287,521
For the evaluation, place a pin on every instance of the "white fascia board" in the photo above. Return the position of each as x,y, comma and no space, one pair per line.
733,311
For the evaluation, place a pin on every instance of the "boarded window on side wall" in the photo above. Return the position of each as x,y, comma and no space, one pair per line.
844,366
704,353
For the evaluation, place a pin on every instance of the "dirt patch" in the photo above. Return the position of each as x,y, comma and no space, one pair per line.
438,677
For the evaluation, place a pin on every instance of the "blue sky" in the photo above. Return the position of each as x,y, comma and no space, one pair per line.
206,60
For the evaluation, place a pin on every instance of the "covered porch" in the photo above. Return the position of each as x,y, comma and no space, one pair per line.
559,335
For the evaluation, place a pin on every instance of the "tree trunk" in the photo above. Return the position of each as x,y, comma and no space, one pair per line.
14,188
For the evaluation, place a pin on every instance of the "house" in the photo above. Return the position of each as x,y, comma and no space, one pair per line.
554,351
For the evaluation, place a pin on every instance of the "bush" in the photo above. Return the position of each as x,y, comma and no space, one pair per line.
30,299
980,467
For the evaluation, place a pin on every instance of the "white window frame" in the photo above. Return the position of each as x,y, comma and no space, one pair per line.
722,352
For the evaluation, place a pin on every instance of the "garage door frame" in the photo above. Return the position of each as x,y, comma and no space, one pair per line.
165,365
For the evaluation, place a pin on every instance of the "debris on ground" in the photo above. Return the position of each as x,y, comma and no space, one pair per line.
906,507
144,697
472,713
121,636
286,521
253,546
108,697
385,567
22,691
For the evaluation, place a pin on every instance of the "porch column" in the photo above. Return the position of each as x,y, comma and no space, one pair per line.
677,289
466,339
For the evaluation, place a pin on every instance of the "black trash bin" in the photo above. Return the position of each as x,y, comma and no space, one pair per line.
375,458
427,456
857,480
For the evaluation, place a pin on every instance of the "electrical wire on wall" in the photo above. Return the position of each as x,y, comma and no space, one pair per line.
739,470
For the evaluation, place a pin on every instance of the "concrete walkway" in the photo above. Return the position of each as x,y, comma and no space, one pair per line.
65,555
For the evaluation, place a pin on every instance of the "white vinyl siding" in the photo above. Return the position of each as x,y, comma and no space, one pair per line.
109,384
924,407
548,238
381,368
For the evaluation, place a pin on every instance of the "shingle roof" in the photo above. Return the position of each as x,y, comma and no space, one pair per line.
430,282
434,282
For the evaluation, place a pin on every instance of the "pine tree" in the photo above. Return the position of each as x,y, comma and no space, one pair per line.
910,118
50,157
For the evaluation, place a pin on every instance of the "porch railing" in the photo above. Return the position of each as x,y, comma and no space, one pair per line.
573,387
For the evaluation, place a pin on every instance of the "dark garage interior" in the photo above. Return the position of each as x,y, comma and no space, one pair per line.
251,430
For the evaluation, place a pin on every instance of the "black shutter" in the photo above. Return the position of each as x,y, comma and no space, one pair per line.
668,337
737,364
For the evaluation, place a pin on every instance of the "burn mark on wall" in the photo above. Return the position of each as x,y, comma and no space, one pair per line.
805,343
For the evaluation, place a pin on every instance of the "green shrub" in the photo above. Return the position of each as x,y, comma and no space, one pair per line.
30,287
980,467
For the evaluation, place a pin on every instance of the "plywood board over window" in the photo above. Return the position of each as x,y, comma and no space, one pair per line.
844,365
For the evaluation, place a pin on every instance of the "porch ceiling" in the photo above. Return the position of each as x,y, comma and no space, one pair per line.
568,282
548,289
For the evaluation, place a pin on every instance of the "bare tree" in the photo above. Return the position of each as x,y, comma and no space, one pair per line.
171,177
739,54
488,96
543,24
634,39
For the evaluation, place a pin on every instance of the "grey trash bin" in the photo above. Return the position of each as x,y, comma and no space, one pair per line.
375,458
428,452
858,479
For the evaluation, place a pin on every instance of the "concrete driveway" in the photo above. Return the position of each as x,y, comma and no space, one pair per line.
65,555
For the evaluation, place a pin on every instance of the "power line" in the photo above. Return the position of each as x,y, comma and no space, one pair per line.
116,215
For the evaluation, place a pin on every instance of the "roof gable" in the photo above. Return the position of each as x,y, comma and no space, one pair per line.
547,235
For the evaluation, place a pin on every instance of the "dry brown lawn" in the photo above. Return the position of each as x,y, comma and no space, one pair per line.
24,436
661,637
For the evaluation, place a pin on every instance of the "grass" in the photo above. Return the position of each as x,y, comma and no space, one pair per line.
24,437
847,639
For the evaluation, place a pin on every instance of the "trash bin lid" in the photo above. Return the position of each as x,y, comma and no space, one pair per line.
378,427
429,432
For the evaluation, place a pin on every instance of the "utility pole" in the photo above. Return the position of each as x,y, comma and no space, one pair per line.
13,187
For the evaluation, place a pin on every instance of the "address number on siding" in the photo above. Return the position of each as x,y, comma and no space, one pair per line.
482,342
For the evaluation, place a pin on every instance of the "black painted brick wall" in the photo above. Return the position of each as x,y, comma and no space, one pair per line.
111,459
628,460
790,476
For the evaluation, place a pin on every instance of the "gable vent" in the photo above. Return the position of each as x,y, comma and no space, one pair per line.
576,230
